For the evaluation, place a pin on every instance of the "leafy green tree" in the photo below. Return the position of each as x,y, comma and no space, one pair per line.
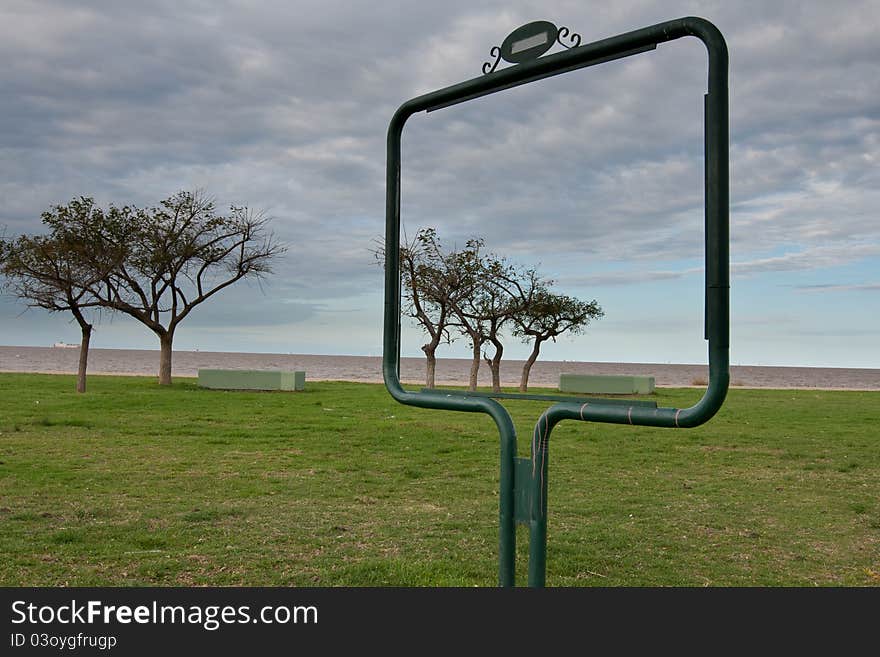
155,265
469,310
434,283
481,296
506,293
57,271
486,312
177,256
548,315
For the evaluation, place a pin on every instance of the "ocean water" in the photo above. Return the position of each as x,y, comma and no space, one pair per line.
450,371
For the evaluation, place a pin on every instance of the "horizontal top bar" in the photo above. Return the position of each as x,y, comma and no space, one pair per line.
590,54
541,76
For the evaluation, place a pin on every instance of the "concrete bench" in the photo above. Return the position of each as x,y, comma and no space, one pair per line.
252,380
606,384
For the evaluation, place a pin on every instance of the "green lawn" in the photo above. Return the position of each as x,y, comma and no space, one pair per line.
135,484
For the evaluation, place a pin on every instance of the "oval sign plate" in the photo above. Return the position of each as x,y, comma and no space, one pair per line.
528,42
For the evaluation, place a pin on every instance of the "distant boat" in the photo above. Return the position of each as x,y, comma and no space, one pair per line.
64,345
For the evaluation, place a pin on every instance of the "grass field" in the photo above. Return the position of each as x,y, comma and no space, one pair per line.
135,484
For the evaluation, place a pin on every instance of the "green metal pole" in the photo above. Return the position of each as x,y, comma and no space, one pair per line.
506,519
538,504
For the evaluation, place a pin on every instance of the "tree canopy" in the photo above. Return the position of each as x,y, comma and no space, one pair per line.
57,271
155,265
481,296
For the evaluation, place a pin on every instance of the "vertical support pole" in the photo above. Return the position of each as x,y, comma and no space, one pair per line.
538,503
506,501
538,531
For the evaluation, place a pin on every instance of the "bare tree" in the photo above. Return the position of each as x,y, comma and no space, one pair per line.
53,271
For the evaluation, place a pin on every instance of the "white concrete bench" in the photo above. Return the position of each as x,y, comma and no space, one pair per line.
608,384
252,379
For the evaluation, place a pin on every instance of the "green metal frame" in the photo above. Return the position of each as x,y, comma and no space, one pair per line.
523,481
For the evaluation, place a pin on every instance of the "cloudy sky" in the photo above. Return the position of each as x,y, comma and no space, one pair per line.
594,176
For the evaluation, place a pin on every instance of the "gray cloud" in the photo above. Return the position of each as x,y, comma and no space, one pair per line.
828,287
818,257
627,277
284,106
814,258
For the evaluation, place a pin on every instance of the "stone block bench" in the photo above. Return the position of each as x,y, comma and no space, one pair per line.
607,384
252,379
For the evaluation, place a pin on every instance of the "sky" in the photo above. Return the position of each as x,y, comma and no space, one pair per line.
594,177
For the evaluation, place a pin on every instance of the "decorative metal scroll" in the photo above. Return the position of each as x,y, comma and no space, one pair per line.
529,42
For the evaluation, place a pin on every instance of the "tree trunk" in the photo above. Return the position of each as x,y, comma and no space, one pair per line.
495,365
83,357
524,381
475,366
165,340
430,365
